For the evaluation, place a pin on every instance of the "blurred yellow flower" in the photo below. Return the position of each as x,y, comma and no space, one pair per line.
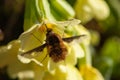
88,9
90,73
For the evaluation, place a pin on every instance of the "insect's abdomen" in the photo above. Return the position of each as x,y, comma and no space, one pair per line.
56,48
58,53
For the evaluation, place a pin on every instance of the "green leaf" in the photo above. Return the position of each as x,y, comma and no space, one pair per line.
30,17
111,49
61,9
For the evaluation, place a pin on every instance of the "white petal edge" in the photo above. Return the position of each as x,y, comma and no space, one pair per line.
27,60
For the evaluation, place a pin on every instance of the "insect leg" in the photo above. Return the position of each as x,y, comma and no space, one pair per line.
36,38
44,57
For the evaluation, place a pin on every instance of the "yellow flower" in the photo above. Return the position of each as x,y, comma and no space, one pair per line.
66,72
88,9
90,73
62,70
8,58
36,36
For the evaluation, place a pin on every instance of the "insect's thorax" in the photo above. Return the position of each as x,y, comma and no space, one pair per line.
53,38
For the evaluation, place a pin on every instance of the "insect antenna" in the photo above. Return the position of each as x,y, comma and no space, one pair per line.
46,26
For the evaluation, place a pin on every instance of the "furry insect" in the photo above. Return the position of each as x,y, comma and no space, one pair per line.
55,45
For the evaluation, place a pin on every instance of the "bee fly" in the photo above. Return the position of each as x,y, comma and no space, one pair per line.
55,45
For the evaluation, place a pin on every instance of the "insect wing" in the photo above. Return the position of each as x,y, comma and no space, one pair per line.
70,22
70,39
31,53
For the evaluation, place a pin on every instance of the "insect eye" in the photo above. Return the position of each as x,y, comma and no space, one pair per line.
49,30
